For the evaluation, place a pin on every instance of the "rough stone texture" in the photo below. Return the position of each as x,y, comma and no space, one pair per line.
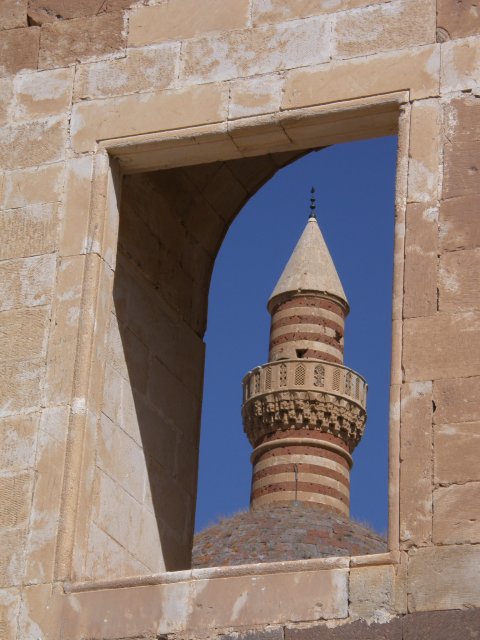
456,400
42,95
13,14
359,630
416,69
33,186
403,24
442,346
372,593
442,625
464,440
46,11
432,588
99,120
458,19
81,40
18,50
417,469
421,256
278,47
455,520
142,70
275,533
459,281
180,19
33,143
460,61
458,223
271,11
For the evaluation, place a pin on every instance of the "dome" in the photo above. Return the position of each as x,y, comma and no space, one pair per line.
283,532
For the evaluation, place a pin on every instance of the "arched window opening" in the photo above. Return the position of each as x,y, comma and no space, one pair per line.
355,206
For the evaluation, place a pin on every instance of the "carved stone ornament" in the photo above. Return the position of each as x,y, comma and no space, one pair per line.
316,410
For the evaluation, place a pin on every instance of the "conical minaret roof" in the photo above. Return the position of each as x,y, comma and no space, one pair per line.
310,268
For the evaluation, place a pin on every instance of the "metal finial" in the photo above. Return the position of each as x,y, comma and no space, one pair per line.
313,204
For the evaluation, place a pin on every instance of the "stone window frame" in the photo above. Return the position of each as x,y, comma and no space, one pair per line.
309,127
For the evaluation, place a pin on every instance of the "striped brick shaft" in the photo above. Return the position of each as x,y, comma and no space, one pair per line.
308,472
307,326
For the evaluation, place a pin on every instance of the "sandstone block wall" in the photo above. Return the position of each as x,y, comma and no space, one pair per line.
131,135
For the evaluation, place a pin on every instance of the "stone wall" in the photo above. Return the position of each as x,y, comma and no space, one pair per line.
105,283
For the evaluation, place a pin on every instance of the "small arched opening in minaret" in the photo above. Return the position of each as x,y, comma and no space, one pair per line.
355,206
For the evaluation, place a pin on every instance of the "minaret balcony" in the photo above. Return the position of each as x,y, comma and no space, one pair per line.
304,394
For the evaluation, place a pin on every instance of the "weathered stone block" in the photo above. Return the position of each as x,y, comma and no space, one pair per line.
459,228
13,14
456,513
26,282
458,19
445,577
43,95
181,19
75,208
9,606
63,338
424,175
460,63
396,25
416,463
12,557
462,119
33,143
6,100
18,50
456,400
456,452
18,441
240,54
33,186
45,508
112,118
24,333
21,386
134,527
28,231
15,491
358,630
461,168
272,11
372,593
442,625
107,558
265,599
121,458
142,70
421,256
417,70
254,96
441,346
46,11
81,39
459,281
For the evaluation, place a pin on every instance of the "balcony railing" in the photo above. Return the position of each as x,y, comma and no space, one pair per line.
305,375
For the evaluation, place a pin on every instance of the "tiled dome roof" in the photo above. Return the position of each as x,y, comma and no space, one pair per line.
284,532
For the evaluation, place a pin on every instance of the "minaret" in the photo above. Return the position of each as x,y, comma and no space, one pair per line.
304,411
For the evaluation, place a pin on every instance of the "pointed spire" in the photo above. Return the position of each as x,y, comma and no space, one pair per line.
313,205
310,268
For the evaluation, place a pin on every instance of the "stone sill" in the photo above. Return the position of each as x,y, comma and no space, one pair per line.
250,570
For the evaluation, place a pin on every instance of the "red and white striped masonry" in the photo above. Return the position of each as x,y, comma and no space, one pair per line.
301,461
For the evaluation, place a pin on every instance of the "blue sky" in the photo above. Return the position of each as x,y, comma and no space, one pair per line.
355,210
